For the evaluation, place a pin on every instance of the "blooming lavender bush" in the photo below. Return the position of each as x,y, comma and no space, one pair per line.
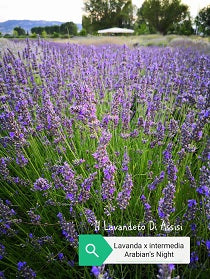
92,133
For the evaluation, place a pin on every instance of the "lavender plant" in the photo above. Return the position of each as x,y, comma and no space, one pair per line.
92,133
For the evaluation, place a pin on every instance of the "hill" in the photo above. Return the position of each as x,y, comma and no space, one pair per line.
9,25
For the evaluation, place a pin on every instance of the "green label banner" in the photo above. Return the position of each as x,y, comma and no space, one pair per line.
93,249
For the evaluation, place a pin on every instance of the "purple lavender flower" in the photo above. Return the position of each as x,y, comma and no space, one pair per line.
38,242
78,162
3,167
100,273
25,271
165,271
124,196
101,154
160,133
190,177
90,216
108,185
35,218
152,186
68,230
191,210
116,106
21,161
166,205
125,161
60,256
172,127
149,164
2,251
95,271
69,184
203,189
171,171
2,275
186,134
109,209
84,194
194,258
7,219
167,154
148,216
41,184
207,244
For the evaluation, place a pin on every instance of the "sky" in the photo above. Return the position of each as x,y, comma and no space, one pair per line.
63,10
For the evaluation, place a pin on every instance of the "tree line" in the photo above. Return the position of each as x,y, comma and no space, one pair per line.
66,29
163,16
154,16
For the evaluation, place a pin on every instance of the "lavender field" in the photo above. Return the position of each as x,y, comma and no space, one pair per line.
93,133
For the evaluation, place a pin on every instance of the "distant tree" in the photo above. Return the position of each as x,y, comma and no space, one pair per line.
55,28
55,35
185,27
161,15
15,34
37,30
142,29
202,21
83,32
102,14
20,31
182,28
142,26
33,35
87,25
8,36
52,29
69,28
0,34
48,29
125,17
44,34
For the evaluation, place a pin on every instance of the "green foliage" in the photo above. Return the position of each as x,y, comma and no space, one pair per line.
69,28
87,25
19,31
7,36
33,35
44,34
52,29
15,34
109,13
161,15
0,34
37,30
83,32
66,30
185,28
55,35
143,29
202,21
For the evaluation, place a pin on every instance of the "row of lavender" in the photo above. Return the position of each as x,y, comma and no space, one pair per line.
100,133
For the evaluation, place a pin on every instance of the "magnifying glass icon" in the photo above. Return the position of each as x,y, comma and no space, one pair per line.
91,249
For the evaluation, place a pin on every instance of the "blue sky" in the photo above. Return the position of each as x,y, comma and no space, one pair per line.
62,10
